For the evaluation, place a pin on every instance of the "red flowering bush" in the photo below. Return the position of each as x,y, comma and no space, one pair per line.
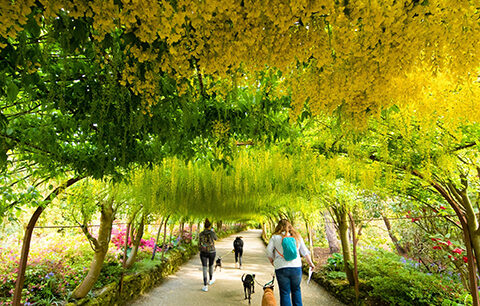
458,251
449,247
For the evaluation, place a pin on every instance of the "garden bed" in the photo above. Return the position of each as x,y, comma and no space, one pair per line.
388,279
340,289
138,283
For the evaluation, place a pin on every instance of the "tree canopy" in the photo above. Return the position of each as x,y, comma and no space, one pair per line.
359,56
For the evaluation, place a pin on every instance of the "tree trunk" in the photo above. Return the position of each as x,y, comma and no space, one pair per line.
124,260
400,250
101,248
473,227
181,229
471,233
135,244
191,231
310,238
331,234
171,229
156,240
125,245
475,239
472,272
164,248
22,266
343,233
355,258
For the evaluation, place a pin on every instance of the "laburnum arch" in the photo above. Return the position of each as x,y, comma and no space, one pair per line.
355,57
359,56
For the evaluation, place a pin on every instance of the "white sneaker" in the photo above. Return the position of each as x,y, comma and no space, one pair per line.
236,265
212,281
205,288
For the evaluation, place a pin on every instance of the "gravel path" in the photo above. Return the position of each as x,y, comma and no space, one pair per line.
184,287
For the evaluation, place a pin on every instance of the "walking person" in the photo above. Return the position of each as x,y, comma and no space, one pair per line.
206,244
238,248
284,250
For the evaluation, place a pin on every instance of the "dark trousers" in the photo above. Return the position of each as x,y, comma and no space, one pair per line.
207,258
238,255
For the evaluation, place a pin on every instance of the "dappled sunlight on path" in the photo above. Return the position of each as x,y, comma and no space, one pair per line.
184,287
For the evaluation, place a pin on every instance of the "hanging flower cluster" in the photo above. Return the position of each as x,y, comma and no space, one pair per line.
361,56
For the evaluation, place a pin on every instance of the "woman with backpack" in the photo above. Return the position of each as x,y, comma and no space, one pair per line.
284,250
206,244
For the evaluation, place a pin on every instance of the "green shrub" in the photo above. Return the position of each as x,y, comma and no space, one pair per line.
400,282
335,262
336,275
110,273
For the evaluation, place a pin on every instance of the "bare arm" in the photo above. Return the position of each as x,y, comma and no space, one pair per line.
305,253
309,261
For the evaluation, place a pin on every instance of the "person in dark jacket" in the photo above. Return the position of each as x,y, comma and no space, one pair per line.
238,248
206,245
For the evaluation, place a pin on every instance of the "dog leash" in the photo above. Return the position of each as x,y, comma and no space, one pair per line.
225,254
267,284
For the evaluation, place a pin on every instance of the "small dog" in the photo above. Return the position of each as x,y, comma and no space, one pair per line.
218,263
268,298
248,285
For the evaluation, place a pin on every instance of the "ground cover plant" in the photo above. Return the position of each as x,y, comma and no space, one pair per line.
393,280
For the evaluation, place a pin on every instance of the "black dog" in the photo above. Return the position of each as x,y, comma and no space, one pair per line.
248,285
218,263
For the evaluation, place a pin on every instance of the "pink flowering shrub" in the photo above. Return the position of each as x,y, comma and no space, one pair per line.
118,239
186,236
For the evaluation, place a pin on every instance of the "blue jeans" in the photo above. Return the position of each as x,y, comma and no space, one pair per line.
289,282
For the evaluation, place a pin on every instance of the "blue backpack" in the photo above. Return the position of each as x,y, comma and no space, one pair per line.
289,245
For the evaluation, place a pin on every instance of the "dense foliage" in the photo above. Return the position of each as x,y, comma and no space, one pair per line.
394,280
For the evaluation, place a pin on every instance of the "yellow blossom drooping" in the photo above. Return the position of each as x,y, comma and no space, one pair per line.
359,57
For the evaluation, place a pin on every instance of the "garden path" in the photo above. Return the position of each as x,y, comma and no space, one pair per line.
184,287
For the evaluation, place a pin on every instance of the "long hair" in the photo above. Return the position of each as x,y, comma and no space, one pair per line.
285,226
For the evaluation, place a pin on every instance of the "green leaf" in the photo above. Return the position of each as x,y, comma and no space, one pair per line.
12,91
33,27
